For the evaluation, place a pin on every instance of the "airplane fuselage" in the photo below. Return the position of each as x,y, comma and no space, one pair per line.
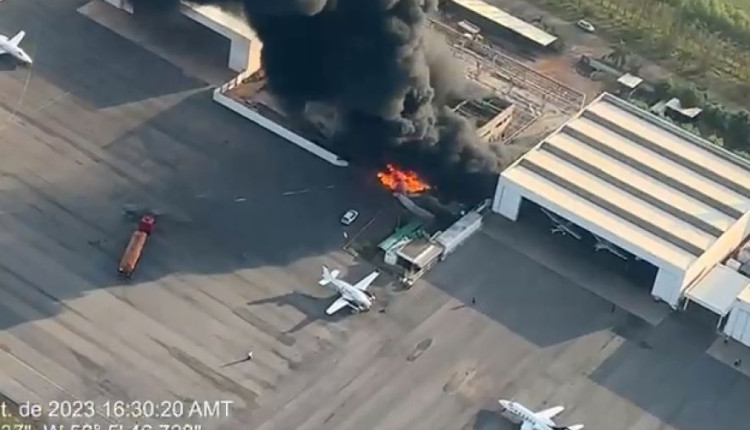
522,414
531,420
13,50
357,297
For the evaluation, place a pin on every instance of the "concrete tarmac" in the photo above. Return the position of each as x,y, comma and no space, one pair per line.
99,125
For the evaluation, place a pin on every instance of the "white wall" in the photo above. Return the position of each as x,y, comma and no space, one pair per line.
738,323
244,53
239,54
718,251
266,123
507,200
121,4
667,286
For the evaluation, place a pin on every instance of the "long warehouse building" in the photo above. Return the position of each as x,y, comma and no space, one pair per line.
641,184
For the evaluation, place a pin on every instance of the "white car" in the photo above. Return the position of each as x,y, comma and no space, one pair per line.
586,26
349,217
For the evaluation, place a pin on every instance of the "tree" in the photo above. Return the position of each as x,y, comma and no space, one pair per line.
689,96
662,89
713,119
737,136
619,55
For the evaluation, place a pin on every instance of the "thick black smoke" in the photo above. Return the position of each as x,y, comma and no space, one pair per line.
372,60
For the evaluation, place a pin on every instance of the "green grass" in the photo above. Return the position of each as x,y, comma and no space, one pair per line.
726,67
742,4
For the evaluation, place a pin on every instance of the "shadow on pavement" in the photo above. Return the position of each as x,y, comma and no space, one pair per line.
228,195
527,298
668,374
491,420
8,63
664,370
87,60
312,307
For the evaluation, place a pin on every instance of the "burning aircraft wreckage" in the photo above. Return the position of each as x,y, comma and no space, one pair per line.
372,80
405,185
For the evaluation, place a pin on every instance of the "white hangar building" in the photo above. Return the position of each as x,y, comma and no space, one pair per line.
244,45
647,187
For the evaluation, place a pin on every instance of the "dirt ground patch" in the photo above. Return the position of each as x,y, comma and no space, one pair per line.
562,68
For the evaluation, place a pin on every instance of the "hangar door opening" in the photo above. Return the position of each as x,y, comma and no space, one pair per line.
587,251
181,40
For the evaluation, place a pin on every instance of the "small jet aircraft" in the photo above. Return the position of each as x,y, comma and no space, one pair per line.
605,245
541,420
355,296
562,226
10,47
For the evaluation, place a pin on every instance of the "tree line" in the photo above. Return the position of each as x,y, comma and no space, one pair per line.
695,36
728,128
719,16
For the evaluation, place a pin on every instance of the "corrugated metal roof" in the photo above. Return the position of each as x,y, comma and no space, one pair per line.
508,21
719,289
639,177
408,230
629,80
420,252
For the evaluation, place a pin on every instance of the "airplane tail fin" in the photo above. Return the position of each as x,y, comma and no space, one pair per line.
328,276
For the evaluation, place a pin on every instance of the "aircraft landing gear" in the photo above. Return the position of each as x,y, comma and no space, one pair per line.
359,309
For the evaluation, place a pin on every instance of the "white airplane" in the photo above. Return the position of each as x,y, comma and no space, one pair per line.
562,226
10,47
355,296
605,245
541,420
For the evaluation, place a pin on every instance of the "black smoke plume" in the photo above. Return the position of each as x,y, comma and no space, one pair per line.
389,82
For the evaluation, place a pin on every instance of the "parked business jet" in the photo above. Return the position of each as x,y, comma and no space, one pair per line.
10,47
541,420
562,226
355,296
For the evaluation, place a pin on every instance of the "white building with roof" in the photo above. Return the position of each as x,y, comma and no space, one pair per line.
645,185
500,18
245,47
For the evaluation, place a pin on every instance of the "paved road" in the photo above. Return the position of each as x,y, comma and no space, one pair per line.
233,265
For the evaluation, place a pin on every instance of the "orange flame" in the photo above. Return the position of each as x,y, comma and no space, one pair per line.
402,181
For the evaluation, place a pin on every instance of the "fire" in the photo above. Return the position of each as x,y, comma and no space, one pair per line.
403,181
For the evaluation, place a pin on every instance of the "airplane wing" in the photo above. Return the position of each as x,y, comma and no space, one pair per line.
17,38
550,413
337,306
2,51
366,281
527,426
